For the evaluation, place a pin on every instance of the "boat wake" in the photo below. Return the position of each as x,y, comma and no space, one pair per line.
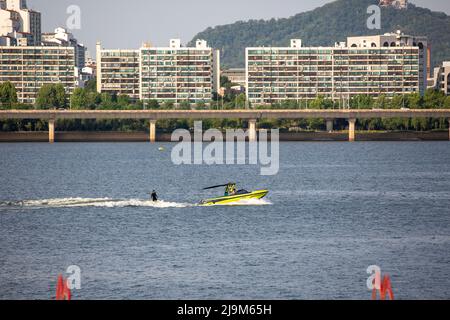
114,203
87,202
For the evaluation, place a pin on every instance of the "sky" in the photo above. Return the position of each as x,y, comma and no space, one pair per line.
127,24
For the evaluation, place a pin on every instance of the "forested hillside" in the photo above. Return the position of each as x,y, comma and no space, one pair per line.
326,25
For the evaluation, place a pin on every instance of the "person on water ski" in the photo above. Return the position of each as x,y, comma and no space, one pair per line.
154,196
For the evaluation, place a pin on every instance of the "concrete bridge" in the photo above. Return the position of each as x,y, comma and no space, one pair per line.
251,115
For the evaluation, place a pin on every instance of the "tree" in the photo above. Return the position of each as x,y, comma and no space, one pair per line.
201,105
240,101
316,103
106,101
123,100
137,105
93,99
185,105
60,96
152,104
327,103
225,82
289,104
78,99
91,85
316,124
51,96
419,124
321,103
433,99
361,101
397,102
8,95
168,105
414,101
83,98
381,102
447,102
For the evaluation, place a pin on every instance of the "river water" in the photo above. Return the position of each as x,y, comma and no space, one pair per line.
333,210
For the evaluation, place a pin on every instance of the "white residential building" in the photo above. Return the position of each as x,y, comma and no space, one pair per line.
118,72
167,74
373,66
29,59
179,74
63,38
441,78
398,39
18,24
29,68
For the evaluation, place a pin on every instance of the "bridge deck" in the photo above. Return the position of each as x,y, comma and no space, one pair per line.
220,114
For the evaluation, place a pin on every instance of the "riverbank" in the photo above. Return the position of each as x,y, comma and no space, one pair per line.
165,137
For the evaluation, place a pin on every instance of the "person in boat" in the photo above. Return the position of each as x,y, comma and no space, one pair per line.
230,190
154,196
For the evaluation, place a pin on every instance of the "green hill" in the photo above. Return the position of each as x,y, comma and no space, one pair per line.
326,25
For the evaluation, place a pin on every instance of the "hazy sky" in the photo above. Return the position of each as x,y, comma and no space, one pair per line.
126,24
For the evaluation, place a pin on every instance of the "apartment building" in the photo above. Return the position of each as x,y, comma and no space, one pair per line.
167,74
118,72
61,37
360,66
399,39
18,24
179,74
441,78
28,68
235,75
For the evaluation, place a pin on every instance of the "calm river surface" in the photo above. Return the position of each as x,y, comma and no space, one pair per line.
333,210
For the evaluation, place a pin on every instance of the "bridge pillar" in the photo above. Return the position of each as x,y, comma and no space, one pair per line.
51,130
448,129
330,123
351,129
152,131
252,136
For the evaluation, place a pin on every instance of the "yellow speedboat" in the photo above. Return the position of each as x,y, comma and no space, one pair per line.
232,196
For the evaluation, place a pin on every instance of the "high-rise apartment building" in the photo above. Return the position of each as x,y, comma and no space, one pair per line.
61,37
398,39
167,74
441,78
30,59
178,74
28,68
118,72
370,66
18,24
